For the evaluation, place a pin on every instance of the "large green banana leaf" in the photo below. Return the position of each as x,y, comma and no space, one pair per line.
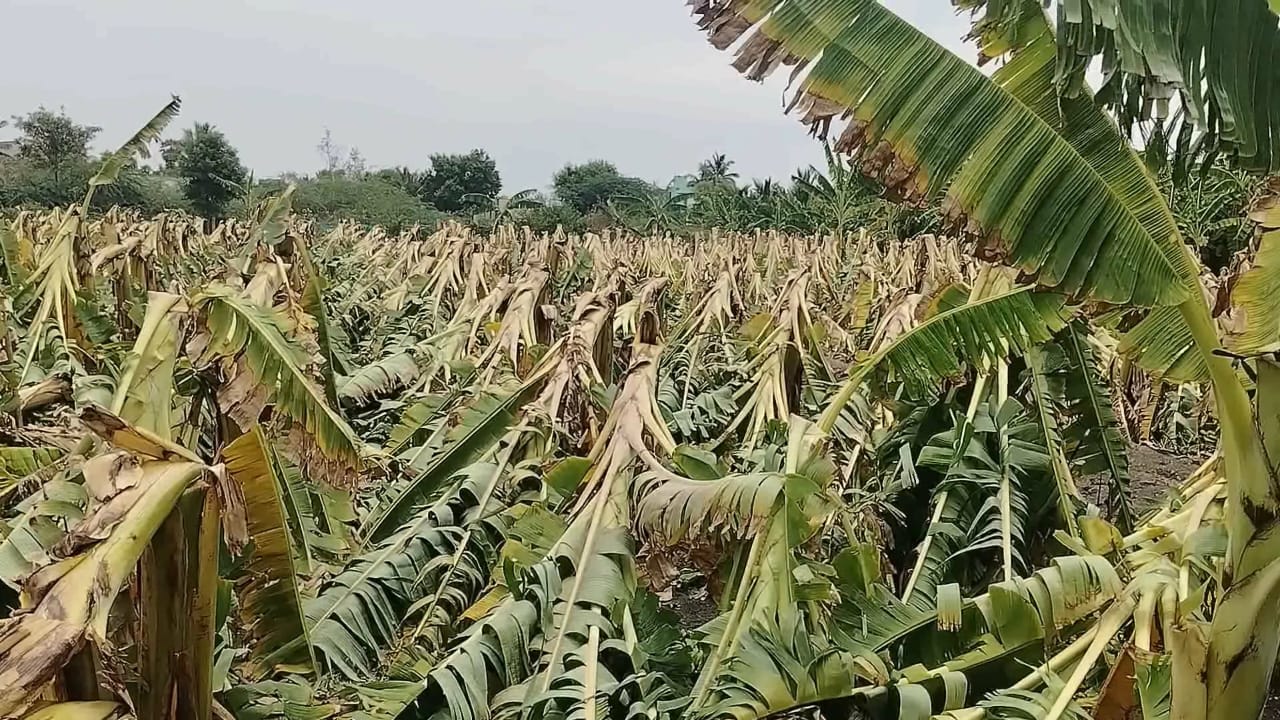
1048,184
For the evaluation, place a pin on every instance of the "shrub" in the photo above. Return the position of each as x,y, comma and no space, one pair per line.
370,201
547,218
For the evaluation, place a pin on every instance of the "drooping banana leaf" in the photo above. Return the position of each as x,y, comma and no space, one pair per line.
19,463
416,423
1055,199
776,672
1095,443
479,427
313,303
237,325
1258,292
12,254
977,333
72,598
137,145
30,538
1162,344
736,504
1217,59
144,389
1043,365
378,379
270,599
271,224
357,614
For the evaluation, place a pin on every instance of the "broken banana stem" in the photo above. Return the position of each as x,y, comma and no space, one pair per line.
73,597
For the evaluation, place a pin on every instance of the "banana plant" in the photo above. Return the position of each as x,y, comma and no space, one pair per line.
1014,180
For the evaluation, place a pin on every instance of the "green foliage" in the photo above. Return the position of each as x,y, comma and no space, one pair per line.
370,201
717,170
268,591
53,141
453,178
237,325
546,218
1219,57
54,168
503,209
23,183
211,168
137,146
410,181
1211,207
355,614
657,212
593,184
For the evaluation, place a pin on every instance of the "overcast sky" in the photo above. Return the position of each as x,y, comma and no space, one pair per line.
537,83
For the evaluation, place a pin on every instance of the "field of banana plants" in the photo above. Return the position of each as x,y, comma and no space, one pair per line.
261,469
265,471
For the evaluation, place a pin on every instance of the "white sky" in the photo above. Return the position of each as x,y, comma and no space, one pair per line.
537,83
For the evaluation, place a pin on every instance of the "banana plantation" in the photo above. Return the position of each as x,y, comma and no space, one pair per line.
264,469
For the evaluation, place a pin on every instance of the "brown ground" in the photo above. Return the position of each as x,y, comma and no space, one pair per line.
1153,474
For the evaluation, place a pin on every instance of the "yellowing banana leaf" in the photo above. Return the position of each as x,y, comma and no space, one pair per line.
144,390
270,602
240,327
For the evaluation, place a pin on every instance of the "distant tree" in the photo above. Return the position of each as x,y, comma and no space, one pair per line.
548,217
355,166
331,152
841,198
211,168
53,141
717,171
593,184
660,212
457,183
171,152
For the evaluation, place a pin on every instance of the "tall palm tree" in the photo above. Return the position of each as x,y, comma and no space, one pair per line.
717,169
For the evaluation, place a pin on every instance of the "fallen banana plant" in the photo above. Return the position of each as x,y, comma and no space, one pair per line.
132,489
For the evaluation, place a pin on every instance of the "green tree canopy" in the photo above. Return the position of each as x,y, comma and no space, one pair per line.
592,184
53,141
409,180
454,177
210,166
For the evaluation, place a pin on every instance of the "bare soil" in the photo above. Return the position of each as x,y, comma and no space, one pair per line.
1153,474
